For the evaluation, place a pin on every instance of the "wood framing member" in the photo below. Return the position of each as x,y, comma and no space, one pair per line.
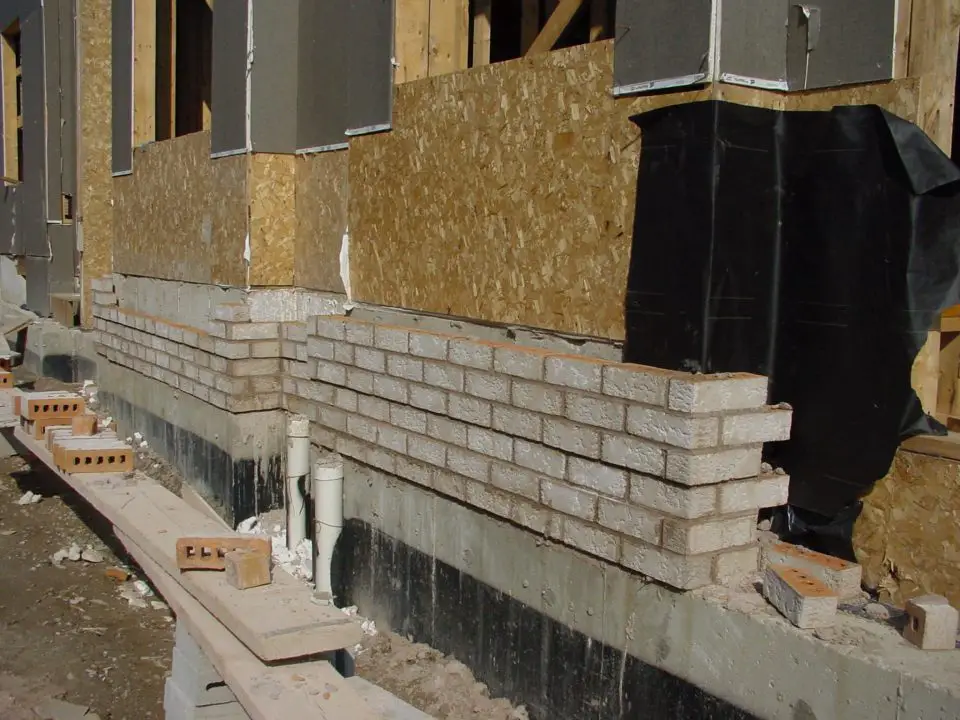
166,68
144,71
431,37
557,22
599,18
529,23
411,40
482,17
10,64
449,36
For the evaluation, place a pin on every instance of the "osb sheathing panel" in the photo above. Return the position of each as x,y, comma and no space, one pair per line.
182,215
94,161
506,193
322,192
273,218
907,537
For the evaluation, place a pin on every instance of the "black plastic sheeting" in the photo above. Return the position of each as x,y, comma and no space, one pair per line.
816,248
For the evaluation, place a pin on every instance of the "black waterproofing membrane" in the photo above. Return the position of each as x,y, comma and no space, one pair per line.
816,248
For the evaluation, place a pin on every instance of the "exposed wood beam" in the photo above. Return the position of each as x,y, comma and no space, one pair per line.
412,40
449,36
598,19
482,18
554,27
529,24
144,72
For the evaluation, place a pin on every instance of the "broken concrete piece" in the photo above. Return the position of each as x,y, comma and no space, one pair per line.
841,576
53,709
73,553
931,623
29,498
91,556
877,611
801,598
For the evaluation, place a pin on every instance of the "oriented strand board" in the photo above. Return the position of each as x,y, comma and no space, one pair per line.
506,194
322,193
182,215
907,538
95,185
273,218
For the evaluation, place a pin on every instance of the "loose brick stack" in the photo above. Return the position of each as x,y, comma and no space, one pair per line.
656,470
233,364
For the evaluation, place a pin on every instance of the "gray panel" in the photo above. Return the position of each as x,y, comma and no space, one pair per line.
752,42
273,83
661,43
322,75
38,285
229,93
51,63
122,87
31,212
68,97
10,242
62,269
370,69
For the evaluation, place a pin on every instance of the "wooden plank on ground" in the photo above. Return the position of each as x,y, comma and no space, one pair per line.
276,622
279,692
449,36
555,25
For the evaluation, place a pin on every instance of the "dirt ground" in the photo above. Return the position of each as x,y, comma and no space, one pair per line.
68,633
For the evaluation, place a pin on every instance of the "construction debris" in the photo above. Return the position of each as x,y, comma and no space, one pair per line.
194,553
29,498
247,568
800,597
118,574
931,623
841,576
91,556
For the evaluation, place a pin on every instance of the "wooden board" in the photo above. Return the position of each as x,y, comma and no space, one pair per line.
554,26
144,71
273,219
298,690
322,189
275,622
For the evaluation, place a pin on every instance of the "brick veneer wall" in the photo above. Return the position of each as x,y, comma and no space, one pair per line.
656,470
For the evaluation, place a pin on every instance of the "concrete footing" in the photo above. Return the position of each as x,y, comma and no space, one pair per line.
54,351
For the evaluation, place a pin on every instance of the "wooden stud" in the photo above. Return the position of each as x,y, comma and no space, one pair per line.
166,68
529,24
8,67
482,18
144,72
247,568
557,22
449,36
598,20
411,40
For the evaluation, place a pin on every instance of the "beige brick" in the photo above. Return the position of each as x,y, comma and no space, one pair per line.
520,361
568,499
521,423
229,385
232,312
361,427
343,352
732,566
345,399
415,471
427,449
294,331
931,623
537,397
712,466
470,409
469,464
405,367
428,398
712,393
447,430
360,380
231,350
678,500
254,366
491,501
530,515
488,442
320,348
428,345
486,385
318,392
333,418
383,459
389,338
685,431
408,418
597,476
253,331
472,353
763,492
392,438
571,437
692,537
633,521
595,410
514,480
358,333
770,426
390,388
370,359
633,453
636,383
543,460
373,407
450,484
679,571
443,375
591,539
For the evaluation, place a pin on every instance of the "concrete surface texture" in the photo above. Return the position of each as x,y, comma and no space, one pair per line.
728,642
13,285
54,351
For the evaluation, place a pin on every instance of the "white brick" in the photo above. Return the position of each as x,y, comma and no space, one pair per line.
763,492
392,439
391,338
358,333
373,407
684,431
705,468
383,459
597,411
427,449
514,480
405,367
390,388
540,459
636,383
569,500
684,573
408,418
253,331
520,362
449,431
427,345
428,398
842,576
343,352
345,399
488,386
471,353
448,377
232,312
490,443
770,426
633,521
692,537
470,409
320,348
521,423
677,500
450,484
537,397
931,623
362,428
590,539
231,350
630,452
711,393
571,437
575,372
497,503
370,359
530,515
730,567
329,327
360,380
596,476
800,598
294,331
254,366
335,419
468,463
415,471
318,392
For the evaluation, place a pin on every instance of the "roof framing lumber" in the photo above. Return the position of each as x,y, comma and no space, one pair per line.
554,27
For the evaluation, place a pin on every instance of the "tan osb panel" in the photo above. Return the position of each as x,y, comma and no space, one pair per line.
182,215
907,537
506,193
322,192
95,188
273,218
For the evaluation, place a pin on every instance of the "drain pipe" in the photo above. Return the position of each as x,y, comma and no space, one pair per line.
298,467
328,521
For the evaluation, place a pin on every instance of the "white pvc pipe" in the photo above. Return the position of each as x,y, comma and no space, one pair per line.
328,521
298,467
